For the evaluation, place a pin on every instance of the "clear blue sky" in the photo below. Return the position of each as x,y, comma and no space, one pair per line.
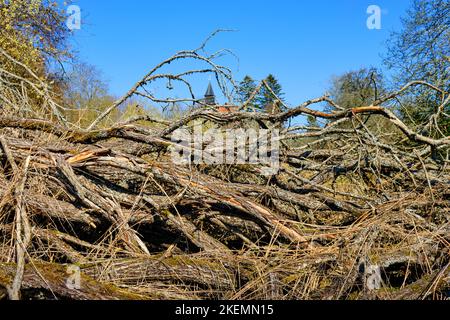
303,43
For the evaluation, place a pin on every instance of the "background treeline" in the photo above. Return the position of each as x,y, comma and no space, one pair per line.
419,51
34,33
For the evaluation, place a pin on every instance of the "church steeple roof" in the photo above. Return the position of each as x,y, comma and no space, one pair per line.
210,91
210,97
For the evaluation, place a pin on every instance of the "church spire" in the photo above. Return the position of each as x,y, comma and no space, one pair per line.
210,97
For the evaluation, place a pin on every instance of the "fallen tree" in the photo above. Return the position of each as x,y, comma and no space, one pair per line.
359,207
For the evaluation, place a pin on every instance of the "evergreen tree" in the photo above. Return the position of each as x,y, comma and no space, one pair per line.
266,98
246,87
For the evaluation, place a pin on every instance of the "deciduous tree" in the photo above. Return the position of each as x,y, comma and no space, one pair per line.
420,51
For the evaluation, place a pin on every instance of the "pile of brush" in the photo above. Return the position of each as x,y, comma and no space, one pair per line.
347,215
358,208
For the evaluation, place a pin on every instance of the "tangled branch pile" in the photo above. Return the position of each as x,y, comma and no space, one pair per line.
358,210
